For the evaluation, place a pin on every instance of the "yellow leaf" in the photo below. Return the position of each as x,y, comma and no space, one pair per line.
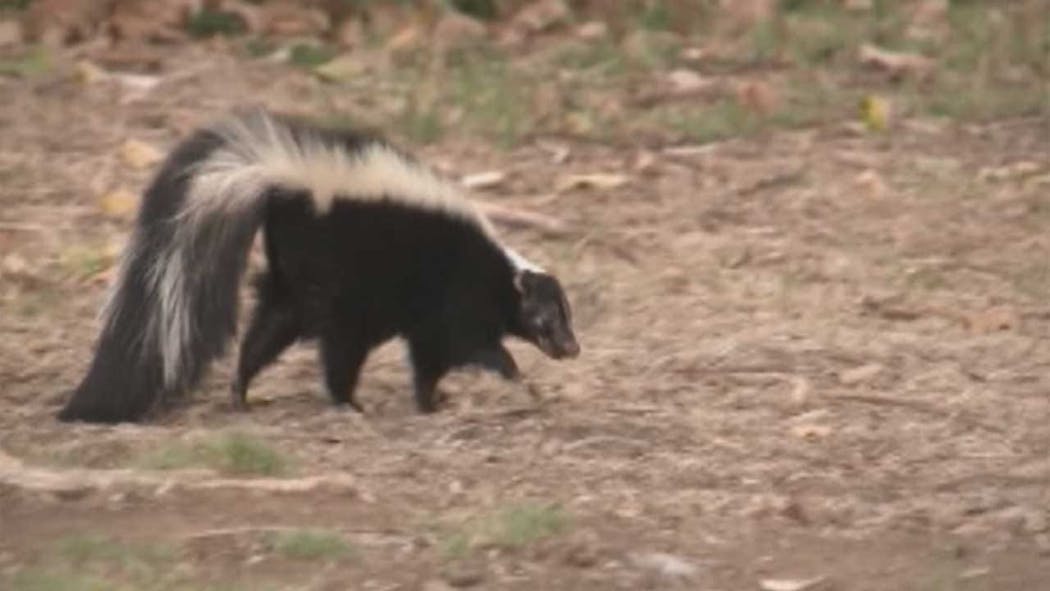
89,73
139,154
875,113
119,203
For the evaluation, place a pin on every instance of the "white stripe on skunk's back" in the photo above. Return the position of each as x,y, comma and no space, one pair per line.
261,152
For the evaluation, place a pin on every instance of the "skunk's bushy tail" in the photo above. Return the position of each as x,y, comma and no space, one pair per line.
173,307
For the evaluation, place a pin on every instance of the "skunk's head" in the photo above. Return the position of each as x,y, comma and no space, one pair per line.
544,315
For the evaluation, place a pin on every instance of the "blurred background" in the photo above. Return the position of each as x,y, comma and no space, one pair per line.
807,248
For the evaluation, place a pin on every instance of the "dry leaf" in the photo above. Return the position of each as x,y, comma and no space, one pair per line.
992,320
559,152
289,19
592,181
341,69
405,42
89,73
138,154
897,64
456,29
351,33
870,183
484,180
749,11
859,374
791,584
645,163
119,203
1009,171
668,565
800,390
592,31
14,264
10,33
60,22
541,16
144,22
135,86
858,5
757,97
695,54
810,432
684,81
927,12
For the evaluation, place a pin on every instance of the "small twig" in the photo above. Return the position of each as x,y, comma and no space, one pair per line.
917,405
79,481
785,178
239,531
517,218
602,440
19,227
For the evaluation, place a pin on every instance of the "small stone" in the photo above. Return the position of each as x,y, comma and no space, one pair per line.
684,80
464,574
1023,519
858,375
667,565
10,33
582,551
592,31
457,30
436,585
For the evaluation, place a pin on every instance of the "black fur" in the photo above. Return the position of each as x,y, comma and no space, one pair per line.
367,272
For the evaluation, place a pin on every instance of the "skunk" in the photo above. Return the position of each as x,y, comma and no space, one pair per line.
363,244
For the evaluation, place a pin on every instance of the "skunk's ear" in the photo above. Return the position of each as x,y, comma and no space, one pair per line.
525,280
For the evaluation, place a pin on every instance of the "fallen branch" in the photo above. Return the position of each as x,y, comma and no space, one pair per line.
916,405
517,218
79,482
19,227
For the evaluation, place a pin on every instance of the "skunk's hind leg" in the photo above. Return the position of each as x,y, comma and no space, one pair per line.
274,326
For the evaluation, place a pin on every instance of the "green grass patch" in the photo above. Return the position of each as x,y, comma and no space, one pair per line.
33,61
311,55
43,579
209,22
233,453
93,562
479,9
14,5
89,548
511,527
84,261
494,98
259,47
421,121
603,58
310,544
709,123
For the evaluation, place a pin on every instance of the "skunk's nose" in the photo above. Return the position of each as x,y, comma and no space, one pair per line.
571,350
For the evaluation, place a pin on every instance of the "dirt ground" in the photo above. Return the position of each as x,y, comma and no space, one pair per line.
813,359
